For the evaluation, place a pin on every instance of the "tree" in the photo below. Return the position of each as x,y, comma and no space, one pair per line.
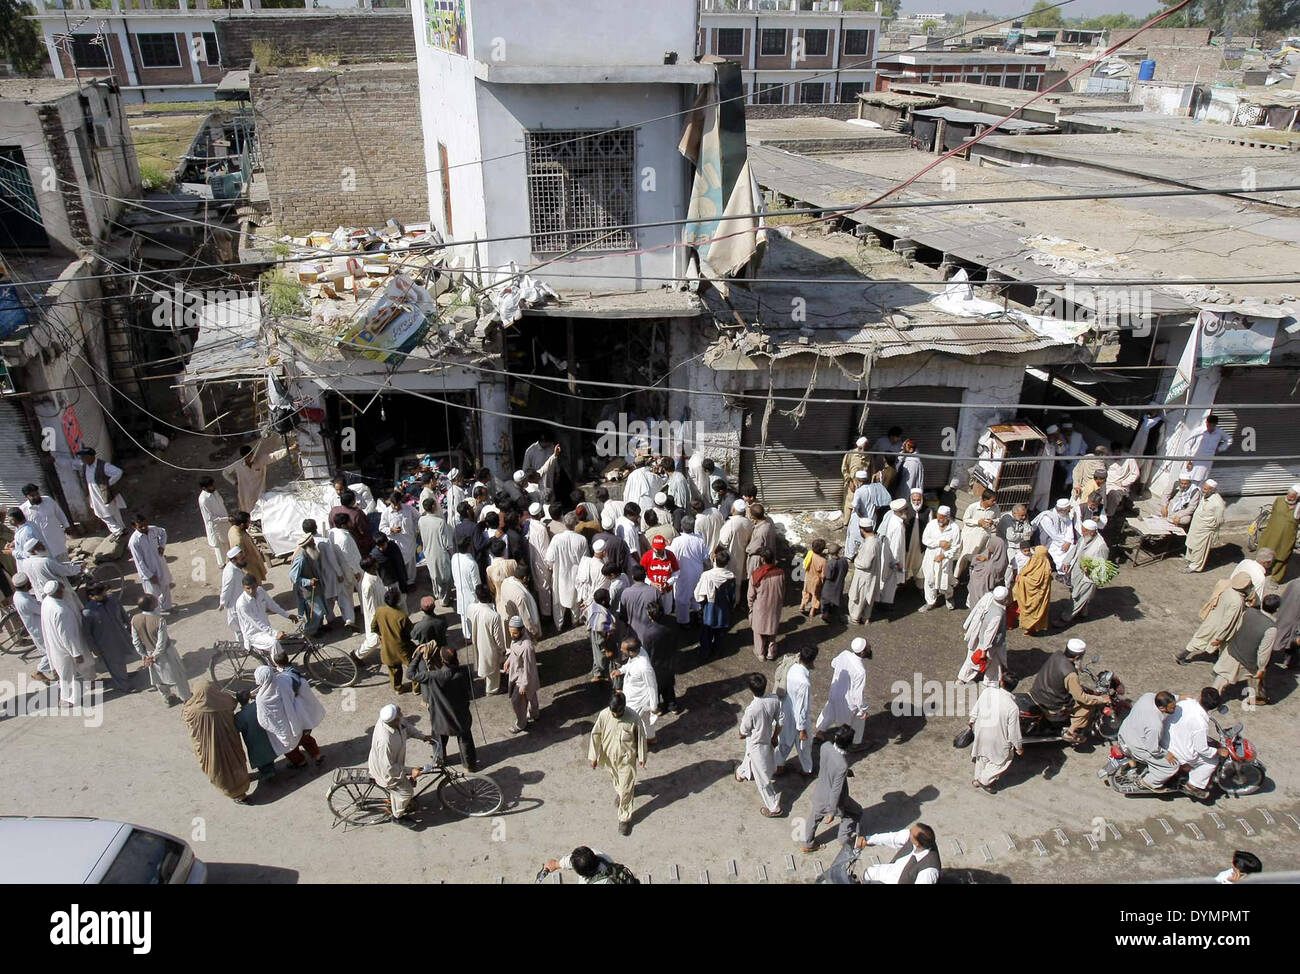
1044,15
889,8
20,39
1278,14
929,26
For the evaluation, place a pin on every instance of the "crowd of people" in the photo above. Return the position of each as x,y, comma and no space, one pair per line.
674,561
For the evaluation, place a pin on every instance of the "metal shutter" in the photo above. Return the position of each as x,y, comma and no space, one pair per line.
924,424
1277,431
22,463
797,481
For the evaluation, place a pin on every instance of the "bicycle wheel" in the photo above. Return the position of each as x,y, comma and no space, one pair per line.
331,666
110,574
359,802
232,670
13,634
469,793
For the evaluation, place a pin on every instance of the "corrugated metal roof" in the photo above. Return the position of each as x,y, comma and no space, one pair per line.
962,116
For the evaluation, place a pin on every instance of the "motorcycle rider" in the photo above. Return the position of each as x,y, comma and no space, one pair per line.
1186,737
1140,735
1058,690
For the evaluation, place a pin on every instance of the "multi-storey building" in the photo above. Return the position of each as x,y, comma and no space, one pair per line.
791,56
924,67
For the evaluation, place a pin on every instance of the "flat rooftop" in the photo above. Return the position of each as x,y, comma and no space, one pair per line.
1063,102
962,57
1149,123
35,91
820,135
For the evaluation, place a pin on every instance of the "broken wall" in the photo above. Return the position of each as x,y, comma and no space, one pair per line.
342,146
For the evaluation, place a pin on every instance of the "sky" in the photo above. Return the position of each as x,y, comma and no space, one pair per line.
1079,8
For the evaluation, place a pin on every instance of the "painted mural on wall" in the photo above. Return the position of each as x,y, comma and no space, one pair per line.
445,21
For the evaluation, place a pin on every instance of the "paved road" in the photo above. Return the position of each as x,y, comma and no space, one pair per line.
693,822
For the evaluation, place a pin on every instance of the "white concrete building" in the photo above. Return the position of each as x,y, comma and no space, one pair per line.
792,56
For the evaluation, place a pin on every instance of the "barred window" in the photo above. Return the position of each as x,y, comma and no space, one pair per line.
730,42
89,51
158,50
580,183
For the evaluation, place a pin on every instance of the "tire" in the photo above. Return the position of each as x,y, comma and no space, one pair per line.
332,666
232,670
1239,779
111,575
13,634
469,793
359,802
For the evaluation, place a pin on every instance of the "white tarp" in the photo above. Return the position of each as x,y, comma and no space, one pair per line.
958,299
283,510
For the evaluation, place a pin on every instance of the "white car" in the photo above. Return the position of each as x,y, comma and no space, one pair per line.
40,849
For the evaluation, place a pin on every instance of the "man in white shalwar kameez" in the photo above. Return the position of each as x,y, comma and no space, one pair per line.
1121,475
977,525
1044,469
692,559
758,726
942,543
514,600
538,537
399,522
641,486
734,536
985,629
846,701
216,519
349,559
371,592
254,609
1056,530
1186,738
995,719
248,473
699,469
232,587
48,518
1203,445
796,712
465,576
893,552
147,545
563,554
41,569
708,525
101,482
387,762
333,580
640,686
65,643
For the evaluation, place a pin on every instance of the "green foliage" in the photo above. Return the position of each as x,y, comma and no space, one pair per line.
154,177
889,8
1112,22
1044,15
1099,570
20,38
1278,14
285,295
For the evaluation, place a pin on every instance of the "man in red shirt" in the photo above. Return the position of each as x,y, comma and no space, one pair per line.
660,564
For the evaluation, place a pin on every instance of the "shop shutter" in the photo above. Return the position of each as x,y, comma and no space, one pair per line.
22,463
925,424
797,481
1276,431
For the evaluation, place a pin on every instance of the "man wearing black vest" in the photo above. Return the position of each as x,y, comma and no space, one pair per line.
917,861
1057,689
1247,654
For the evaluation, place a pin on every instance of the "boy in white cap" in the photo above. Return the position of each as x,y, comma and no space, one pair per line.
856,459
846,701
521,674
942,543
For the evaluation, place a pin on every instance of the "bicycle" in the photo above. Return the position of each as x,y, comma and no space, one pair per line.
13,634
355,798
232,665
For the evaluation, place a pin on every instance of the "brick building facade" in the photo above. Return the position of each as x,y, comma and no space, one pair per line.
342,146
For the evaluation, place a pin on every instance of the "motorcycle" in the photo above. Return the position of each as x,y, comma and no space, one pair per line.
1240,773
1039,727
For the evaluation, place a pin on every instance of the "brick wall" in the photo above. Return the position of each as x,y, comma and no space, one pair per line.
834,110
1186,63
316,126
370,35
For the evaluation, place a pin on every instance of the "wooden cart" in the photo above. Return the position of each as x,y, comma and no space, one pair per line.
1008,463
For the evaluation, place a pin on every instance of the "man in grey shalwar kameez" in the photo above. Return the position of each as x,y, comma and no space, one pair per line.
867,563
985,629
435,539
758,725
1141,732
1082,587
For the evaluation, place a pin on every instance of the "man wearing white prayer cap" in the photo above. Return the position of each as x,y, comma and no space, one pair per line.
854,460
28,605
1203,531
1059,692
65,641
1093,549
985,630
846,701
38,566
535,509
734,536
232,587
1056,530
893,553
942,544
388,759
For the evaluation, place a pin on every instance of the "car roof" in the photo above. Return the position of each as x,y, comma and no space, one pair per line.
37,849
